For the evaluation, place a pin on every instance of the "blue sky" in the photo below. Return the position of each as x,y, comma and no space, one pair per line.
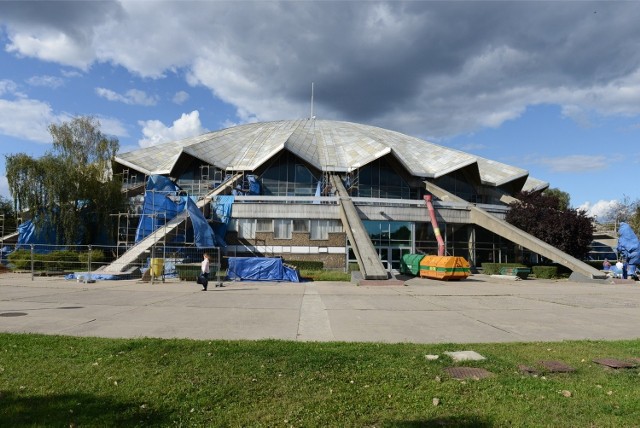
551,87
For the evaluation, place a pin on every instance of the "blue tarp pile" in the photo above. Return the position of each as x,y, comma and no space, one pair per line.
260,269
628,244
163,202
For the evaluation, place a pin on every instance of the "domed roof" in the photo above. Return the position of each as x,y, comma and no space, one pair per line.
327,145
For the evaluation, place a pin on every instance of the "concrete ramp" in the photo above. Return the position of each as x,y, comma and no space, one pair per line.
500,227
137,252
10,238
370,265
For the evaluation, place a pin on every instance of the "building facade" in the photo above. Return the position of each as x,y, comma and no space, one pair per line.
285,202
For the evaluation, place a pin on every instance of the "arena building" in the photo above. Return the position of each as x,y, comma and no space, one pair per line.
342,193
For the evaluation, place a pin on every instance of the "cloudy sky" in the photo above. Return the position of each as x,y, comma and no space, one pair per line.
551,87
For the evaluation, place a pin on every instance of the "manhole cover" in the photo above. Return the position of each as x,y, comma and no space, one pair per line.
12,314
70,307
614,364
467,373
557,367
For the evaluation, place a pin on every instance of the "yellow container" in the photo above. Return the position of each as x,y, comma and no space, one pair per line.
157,265
444,267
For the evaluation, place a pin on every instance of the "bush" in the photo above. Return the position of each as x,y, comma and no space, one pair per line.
21,259
62,260
494,268
545,272
97,256
305,264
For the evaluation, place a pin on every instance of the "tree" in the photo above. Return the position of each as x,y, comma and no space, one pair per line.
71,186
569,230
8,221
627,211
563,197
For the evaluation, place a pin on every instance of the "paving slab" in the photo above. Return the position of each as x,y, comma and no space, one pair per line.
477,310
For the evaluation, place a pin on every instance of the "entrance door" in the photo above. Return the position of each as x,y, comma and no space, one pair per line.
391,256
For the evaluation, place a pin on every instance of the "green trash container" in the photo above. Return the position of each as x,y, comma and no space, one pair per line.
410,264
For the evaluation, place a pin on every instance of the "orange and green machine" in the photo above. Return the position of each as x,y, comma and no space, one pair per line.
442,267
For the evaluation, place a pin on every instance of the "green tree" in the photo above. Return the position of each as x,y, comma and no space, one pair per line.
569,230
563,198
71,186
8,220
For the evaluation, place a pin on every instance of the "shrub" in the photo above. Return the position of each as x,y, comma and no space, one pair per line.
305,264
62,260
97,256
494,268
20,259
545,272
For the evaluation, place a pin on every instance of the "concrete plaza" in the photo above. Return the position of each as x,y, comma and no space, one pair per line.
479,309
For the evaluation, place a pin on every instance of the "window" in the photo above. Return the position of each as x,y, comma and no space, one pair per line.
300,225
282,229
320,229
246,228
264,225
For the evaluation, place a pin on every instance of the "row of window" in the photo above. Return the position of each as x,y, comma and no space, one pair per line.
284,228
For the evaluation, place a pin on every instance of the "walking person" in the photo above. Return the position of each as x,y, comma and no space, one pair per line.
204,272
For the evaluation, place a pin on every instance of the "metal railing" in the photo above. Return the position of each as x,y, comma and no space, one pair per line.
84,262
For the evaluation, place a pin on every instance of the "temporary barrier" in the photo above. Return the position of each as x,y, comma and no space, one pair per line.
444,267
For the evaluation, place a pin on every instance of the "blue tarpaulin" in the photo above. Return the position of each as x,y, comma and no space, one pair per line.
202,233
628,244
254,185
162,203
41,237
222,215
260,269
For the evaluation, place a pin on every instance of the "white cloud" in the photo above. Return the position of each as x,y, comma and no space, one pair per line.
155,132
27,119
131,97
4,187
47,81
180,97
400,65
602,210
112,126
71,73
52,46
7,86
576,163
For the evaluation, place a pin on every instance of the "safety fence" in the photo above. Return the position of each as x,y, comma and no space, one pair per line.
87,263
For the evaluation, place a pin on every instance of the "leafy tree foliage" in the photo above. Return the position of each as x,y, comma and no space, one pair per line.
627,211
8,219
563,197
72,185
569,230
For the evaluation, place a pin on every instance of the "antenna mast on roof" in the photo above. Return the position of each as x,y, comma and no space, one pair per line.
312,116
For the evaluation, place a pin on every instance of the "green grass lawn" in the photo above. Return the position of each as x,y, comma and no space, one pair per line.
70,381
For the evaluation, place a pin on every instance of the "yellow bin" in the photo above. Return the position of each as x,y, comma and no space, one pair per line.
444,267
157,266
